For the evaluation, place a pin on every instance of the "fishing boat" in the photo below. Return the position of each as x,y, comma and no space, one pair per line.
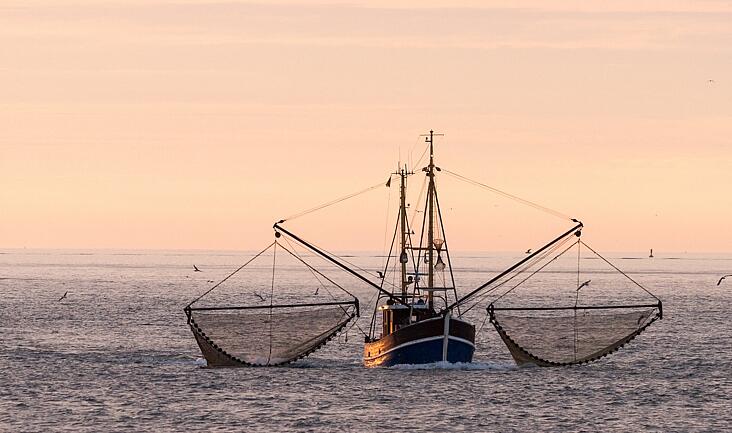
423,318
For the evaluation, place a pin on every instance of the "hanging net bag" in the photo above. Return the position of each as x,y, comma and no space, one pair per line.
562,316
259,317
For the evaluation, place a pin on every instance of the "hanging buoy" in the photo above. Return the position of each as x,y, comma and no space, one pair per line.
440,265
403,258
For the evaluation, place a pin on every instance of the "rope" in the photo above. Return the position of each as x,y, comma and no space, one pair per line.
332,202
623,273
386,221
516,273
543,256
419,199
271,299
539,269
424,152
510,196
313,271
231,274
482,324
371,273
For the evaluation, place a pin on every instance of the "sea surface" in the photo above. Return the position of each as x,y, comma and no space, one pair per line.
115,354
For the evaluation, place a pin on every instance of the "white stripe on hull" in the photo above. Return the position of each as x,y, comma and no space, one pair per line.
421,340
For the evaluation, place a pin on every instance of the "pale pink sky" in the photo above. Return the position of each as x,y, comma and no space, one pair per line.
197,124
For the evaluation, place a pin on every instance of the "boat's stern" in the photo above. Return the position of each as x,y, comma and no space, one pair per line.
428,341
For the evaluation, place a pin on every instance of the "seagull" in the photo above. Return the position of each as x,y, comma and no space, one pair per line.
528,251
381,274
261,298
195,269
586,283
63,297
718,282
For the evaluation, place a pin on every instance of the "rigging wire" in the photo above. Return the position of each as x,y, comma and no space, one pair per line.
386,220
313,271
509,196
332,202
419,199
536,271
231,275
623,273
366,271
424,152
528,265
344,260
271,299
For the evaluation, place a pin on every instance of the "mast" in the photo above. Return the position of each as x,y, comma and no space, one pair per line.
430,169
430,226
403,257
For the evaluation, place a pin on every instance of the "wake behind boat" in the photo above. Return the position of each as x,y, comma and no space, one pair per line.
421,318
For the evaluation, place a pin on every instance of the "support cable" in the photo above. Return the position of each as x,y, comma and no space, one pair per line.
230,275
536,271
271,299
517,273
623,273
332,202
510,196
315,274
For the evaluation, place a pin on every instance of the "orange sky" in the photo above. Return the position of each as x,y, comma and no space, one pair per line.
197,124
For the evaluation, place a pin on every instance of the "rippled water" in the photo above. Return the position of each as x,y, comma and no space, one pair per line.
116,354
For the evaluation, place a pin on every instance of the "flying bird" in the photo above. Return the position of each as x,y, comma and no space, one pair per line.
316,290
720,280
586,283
195,269
528,251
261,298
381,274
63,297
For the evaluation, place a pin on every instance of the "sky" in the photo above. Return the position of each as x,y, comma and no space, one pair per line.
197,124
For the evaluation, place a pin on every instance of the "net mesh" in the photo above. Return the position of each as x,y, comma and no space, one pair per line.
570,336
570,305
272,310
266,336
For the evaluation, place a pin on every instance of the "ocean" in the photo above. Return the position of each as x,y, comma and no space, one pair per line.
115,354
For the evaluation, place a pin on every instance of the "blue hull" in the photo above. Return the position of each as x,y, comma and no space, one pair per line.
424,352
422,343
